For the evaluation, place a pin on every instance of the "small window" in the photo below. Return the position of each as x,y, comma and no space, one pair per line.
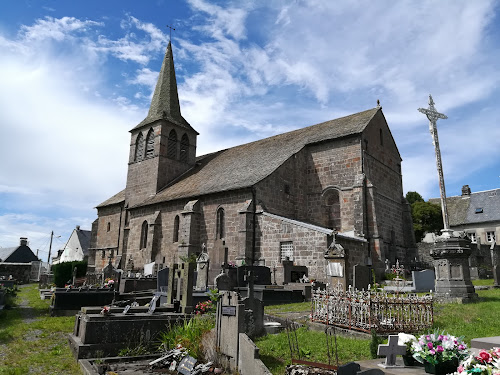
144,235
490,236
220,224
472,237
139,148
176,229
184,148
479,210
150,144
172,145
286,251
103,254
108,227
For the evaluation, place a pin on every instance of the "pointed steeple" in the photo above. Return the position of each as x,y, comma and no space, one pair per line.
165,102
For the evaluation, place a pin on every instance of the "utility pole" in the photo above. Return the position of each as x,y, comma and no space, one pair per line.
50,246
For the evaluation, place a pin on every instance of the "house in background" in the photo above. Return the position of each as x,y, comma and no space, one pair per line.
18,254
76,248
478,215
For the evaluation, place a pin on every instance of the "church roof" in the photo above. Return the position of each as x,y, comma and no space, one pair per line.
480,207
165,101
115,199
243,166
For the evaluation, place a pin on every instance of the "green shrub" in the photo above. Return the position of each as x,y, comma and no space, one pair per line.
63,272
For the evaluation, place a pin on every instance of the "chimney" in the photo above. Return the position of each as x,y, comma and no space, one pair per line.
23,241
77,227
465,190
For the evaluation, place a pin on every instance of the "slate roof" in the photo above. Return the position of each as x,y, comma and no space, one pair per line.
243,166
6,252
115,199
462,209
84,238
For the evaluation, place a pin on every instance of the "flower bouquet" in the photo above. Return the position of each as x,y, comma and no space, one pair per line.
407,340
487,362
439,352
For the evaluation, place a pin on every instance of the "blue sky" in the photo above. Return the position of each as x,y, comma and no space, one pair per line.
76,76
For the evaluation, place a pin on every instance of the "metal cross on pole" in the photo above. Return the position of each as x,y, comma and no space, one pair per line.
433,115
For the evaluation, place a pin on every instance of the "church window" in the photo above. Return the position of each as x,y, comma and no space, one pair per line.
103,254
108,227
176,229
150,144
144,235
172,145
184,148
490,236
479,210
381,137
332,209
286,251
220,224
139,148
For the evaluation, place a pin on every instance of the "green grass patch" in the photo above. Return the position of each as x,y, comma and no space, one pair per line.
483,282
290,307
34,342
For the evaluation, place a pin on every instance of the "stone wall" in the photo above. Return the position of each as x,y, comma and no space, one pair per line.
19,271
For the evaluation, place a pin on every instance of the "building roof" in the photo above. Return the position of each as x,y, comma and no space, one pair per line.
165,101
84,238
6,252
244,166
462,209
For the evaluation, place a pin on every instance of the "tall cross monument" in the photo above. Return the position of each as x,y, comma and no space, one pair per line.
433,115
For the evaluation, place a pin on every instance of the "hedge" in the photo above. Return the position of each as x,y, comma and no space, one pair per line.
63,272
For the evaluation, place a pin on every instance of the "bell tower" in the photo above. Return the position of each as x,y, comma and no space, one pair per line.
163,145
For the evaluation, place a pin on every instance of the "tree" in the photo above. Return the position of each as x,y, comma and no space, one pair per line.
413,196
427,218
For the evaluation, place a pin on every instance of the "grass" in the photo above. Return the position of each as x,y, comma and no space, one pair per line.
291,307
482,282
38,345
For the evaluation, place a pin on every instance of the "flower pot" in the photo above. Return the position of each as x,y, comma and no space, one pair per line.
441,368
408,360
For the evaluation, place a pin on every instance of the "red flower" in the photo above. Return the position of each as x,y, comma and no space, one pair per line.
484,356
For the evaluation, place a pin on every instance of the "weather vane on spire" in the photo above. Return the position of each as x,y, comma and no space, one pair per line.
433,115
171,28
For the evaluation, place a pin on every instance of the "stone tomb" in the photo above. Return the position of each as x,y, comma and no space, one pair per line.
423,281
69,301
108,334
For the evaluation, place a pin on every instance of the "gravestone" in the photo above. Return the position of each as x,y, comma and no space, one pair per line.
423,281
180,286
361,277
223,282
391,350
350,368
162,280
202,267
186,365
495,262
230,323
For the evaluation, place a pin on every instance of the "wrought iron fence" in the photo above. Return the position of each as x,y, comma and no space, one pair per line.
372,310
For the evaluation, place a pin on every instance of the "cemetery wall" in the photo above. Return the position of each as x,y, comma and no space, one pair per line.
19,271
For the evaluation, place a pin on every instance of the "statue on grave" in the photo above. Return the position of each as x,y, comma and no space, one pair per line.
202,266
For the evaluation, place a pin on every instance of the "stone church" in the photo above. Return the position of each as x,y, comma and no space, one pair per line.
321,199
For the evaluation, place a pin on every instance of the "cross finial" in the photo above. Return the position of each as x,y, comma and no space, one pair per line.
171,28
378,103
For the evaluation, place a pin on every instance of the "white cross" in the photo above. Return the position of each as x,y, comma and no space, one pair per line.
391,350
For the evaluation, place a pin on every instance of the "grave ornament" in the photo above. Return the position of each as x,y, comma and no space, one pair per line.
391,350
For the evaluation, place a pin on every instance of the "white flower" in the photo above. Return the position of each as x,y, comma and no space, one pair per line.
416,347
404,338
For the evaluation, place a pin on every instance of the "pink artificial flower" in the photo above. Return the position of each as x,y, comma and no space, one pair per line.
484,356
440,349
460,368
496,352
428,338
461,347
440,338
429,345
432,351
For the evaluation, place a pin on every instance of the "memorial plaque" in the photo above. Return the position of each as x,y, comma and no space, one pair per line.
186,365
152,304
229,310
126,309
335,269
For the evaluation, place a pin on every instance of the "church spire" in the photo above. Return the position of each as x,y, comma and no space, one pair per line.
165,102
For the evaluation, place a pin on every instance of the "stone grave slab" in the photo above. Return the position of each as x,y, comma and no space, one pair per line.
69,302
111,333
361,277
423,281
485,342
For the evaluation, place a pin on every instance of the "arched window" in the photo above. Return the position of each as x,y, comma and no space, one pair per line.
176,229
220,224
109,227
172,145
331,201
150,144
144,235
184,148
139,148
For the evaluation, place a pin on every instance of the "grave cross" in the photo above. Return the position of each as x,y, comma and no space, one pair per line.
433,115
391,350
